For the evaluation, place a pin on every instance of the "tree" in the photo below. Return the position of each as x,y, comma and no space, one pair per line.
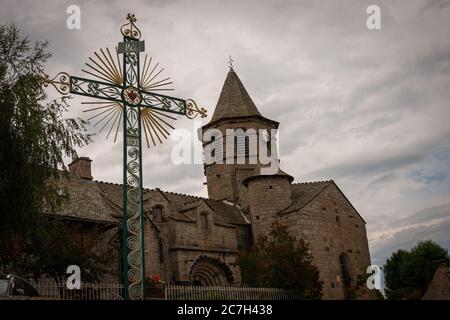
279,261
408,273
34,140
62,245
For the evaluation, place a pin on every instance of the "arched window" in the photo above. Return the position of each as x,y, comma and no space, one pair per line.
218,149
266,140
242,145
204,221
345,273
157,213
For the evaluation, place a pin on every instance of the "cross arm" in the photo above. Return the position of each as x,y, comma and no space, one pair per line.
171,104
65,84
95,89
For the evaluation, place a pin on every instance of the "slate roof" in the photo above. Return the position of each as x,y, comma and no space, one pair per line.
227,212
224,211
304,193
102,202
234,101
88,202
256,173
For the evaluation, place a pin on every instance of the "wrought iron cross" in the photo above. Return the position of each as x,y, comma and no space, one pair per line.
128,96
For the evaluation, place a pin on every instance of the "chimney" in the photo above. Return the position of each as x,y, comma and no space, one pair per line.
81,167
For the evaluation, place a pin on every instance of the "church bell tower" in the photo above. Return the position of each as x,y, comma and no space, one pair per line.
234,110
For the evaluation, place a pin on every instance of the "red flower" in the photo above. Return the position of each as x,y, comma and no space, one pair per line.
156,277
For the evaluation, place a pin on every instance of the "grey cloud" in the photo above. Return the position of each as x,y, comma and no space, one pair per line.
312,65
386,178
423,216
370,163
435,5
408,238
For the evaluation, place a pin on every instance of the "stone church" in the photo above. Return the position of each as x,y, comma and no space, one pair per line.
196,240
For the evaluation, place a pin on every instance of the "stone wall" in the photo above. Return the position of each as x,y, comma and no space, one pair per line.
267,195
183,241
331,227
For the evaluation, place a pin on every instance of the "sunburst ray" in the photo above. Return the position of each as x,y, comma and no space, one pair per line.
103,66
149,77
104,114
155,124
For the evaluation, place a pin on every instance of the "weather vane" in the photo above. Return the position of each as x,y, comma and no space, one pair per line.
129,96
230,62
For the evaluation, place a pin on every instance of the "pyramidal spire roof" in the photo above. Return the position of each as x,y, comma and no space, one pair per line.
234,100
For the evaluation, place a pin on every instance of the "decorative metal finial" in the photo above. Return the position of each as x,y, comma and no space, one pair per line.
129,29
61,82
131,17
230,62
192,110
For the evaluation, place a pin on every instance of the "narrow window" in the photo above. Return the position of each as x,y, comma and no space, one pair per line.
247,147
161,252
218,150
157,214
338,220
203,221
241,145
345,274
213,152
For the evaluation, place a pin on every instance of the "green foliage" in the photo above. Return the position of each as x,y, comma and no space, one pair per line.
60,245
34,140
408,273
279,261
360,290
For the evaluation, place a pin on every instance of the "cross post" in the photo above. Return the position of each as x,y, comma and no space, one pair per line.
133,99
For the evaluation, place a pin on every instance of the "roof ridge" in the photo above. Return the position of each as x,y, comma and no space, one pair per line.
313,182
228,202
189,202
182,194
152,189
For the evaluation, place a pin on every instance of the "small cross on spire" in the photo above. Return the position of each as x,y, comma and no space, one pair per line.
230,62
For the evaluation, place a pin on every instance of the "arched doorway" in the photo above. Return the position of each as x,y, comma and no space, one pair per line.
207,271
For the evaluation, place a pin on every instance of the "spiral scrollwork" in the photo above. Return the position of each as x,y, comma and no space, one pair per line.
133,243
134,258
133,153
132,210
133,226
135,291
133,275
192,110
93,88
133,194
133,167
61,82
129,29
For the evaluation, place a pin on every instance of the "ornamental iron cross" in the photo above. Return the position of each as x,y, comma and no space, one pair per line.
128,95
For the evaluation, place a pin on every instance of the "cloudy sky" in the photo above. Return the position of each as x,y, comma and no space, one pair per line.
367,108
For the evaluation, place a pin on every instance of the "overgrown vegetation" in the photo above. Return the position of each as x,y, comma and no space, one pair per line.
34,140
408,273
279,261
